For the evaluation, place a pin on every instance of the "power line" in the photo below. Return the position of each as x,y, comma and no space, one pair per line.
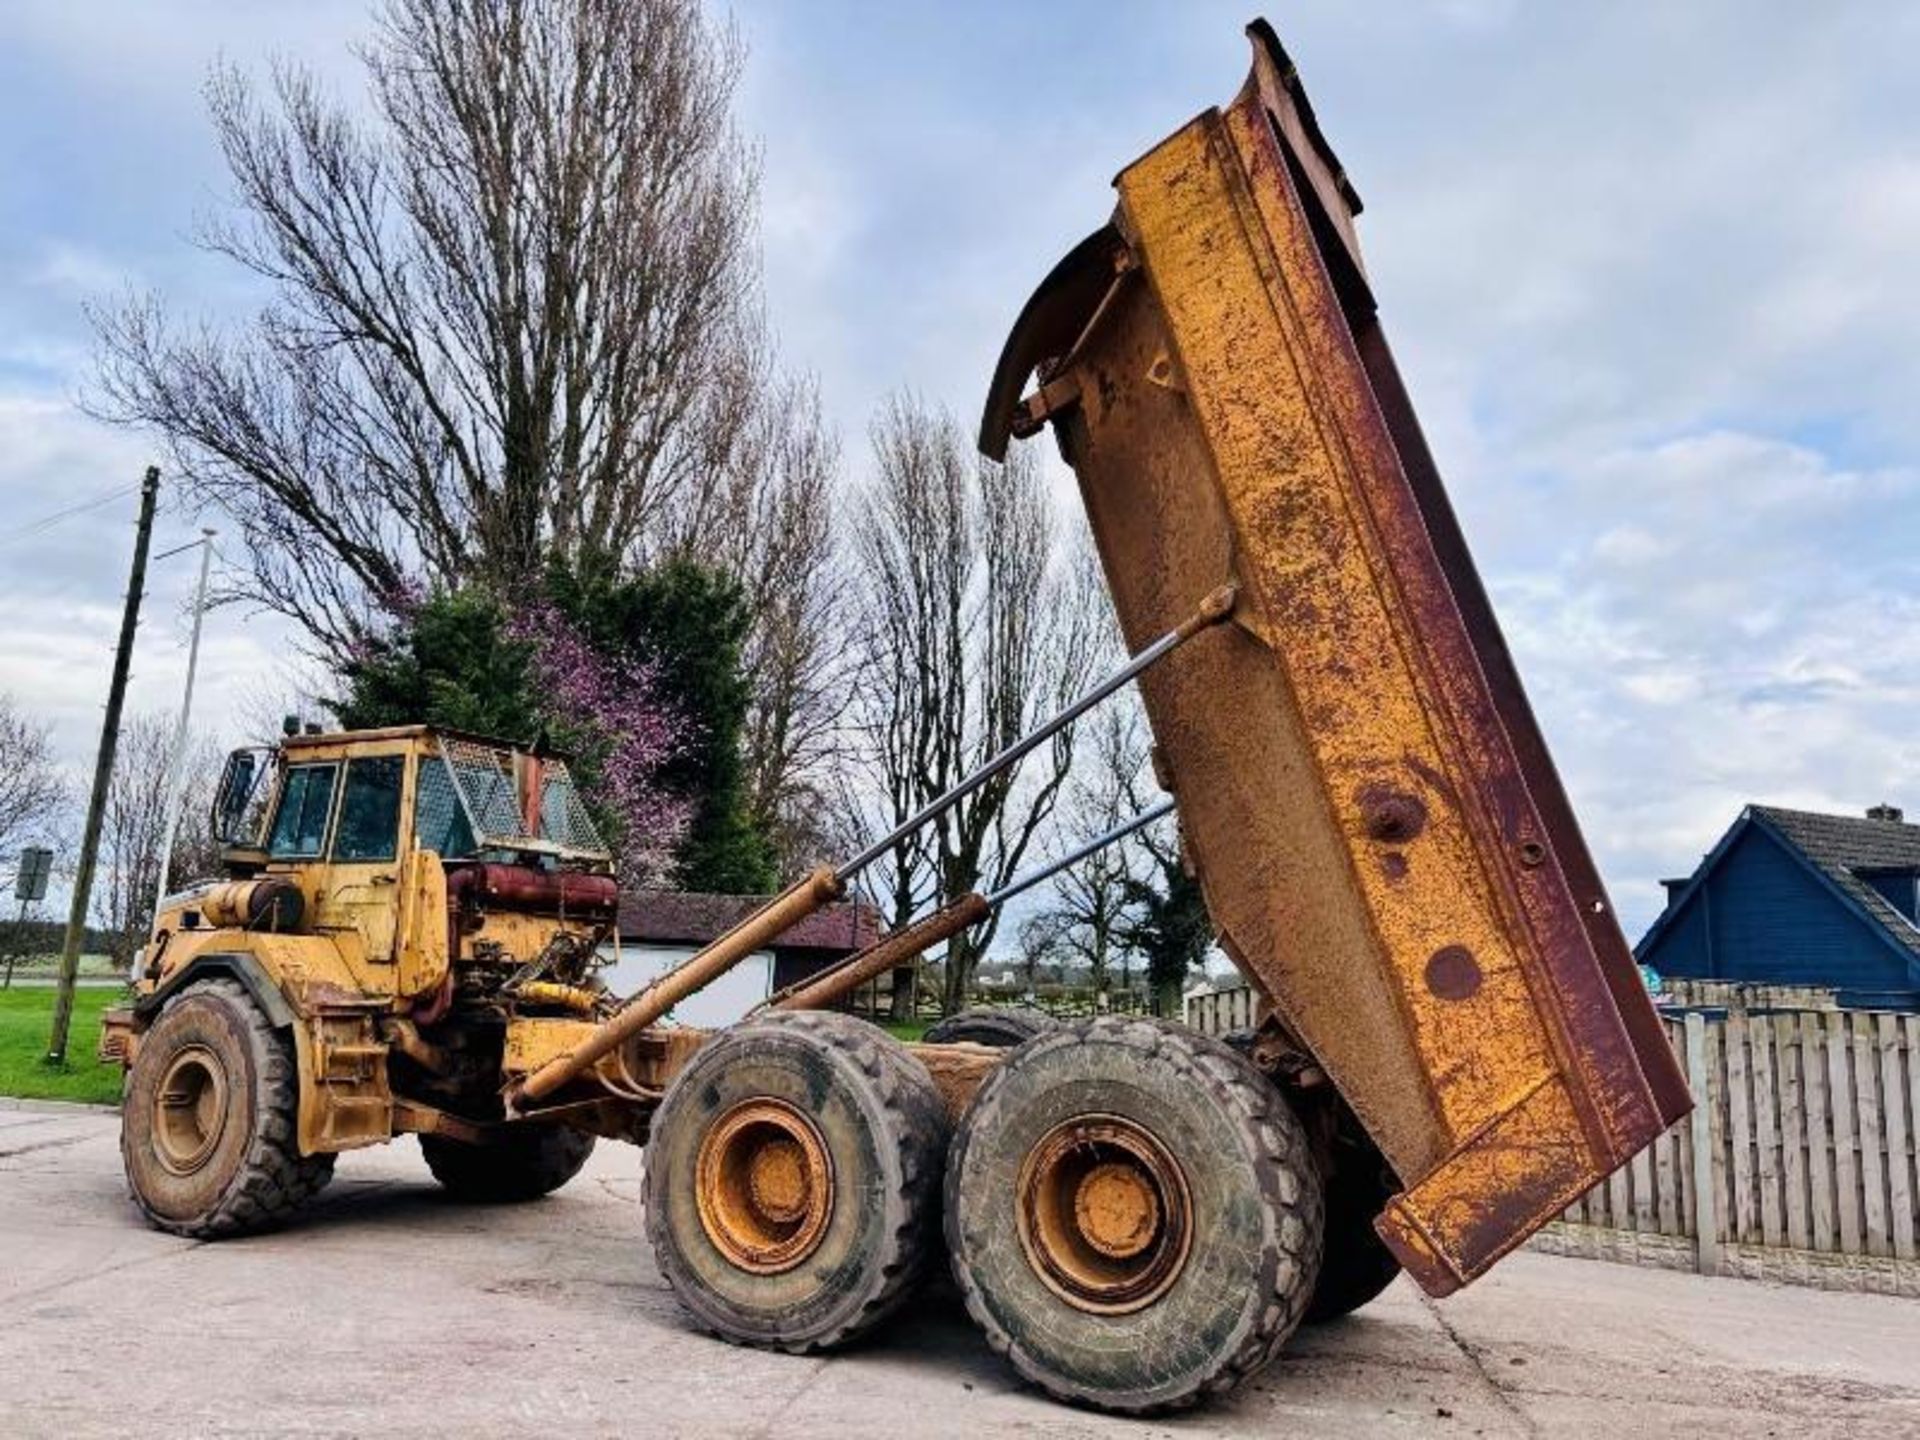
47,522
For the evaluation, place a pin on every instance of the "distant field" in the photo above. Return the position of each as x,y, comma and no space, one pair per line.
43,967
26,1019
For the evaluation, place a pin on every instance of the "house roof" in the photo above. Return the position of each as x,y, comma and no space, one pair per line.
1838,850
683,917
1843,847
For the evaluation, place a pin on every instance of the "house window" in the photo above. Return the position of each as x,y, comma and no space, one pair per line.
1896,887
300,829
370,811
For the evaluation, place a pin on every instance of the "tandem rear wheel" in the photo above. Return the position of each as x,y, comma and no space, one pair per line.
1133,1214
1132,1211
793,1180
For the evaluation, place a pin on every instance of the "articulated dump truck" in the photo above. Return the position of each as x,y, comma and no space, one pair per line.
1452,1042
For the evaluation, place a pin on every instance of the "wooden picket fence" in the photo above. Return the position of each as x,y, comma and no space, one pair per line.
1804,1127
1218,1012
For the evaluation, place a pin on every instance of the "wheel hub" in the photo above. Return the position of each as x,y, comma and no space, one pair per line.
1104,1214
763,1185
190,1110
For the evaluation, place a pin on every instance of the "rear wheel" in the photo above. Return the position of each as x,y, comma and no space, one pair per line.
209,1121
519,1163
1133,1214
1357,1265
1001,1026
793,1180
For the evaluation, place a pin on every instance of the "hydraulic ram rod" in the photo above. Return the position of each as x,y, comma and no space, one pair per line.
1216,607
1022,883
793,905
843,979
883,955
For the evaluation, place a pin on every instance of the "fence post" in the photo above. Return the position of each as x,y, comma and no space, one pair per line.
1706,1220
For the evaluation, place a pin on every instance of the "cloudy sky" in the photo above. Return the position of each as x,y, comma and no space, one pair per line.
1650,270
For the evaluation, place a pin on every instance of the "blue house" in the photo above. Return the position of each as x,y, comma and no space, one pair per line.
1789,897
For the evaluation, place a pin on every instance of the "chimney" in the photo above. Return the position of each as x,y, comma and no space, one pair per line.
1884,811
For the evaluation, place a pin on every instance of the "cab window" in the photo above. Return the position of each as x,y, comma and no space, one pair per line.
369,828
300,827
439,819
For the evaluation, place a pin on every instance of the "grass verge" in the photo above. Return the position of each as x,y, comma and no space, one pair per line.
26,1022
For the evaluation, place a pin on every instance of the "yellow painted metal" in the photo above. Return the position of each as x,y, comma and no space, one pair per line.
763,1186
345,1101
1104,1213
421,956
364,895
1347,775
373,960
571,997
536,1040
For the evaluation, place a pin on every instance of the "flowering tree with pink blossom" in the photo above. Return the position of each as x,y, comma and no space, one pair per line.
612,707
639,678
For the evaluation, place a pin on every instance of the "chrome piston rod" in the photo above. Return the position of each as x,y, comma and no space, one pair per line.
1022,883
904,946
1215,608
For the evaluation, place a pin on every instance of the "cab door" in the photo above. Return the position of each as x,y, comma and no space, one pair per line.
361,890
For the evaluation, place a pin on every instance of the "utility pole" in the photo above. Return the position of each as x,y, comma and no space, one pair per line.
102,775
176,763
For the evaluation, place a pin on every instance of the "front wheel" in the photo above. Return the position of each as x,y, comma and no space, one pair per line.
1133,1214
209,1122
519,1163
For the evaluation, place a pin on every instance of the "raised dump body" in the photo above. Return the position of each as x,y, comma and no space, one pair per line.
1381,836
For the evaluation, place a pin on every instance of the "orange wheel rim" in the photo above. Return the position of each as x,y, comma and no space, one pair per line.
763,1184
1105,1215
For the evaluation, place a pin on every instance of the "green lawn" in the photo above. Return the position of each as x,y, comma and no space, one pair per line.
26,1021
910,1030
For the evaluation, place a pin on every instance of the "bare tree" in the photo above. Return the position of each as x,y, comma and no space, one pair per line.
1039,946
33,793
1092,903
134,829
975,626
514,312
771,524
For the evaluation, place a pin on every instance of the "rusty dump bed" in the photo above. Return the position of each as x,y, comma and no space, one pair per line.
1362,787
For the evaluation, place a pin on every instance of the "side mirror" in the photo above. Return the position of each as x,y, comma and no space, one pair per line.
234,798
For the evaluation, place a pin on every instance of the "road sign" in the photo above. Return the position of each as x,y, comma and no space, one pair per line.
30,884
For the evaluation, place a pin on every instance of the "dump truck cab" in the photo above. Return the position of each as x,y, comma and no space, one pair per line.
404,910
353,840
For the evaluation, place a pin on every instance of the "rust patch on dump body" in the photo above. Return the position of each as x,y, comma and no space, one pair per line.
1363,791
1391,815
1453,973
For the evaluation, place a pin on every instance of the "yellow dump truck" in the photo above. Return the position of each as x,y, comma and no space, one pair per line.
1452,1045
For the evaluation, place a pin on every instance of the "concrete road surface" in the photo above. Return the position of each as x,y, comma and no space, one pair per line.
391,1312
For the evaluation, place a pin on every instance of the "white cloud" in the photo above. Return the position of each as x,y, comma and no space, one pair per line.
61,586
